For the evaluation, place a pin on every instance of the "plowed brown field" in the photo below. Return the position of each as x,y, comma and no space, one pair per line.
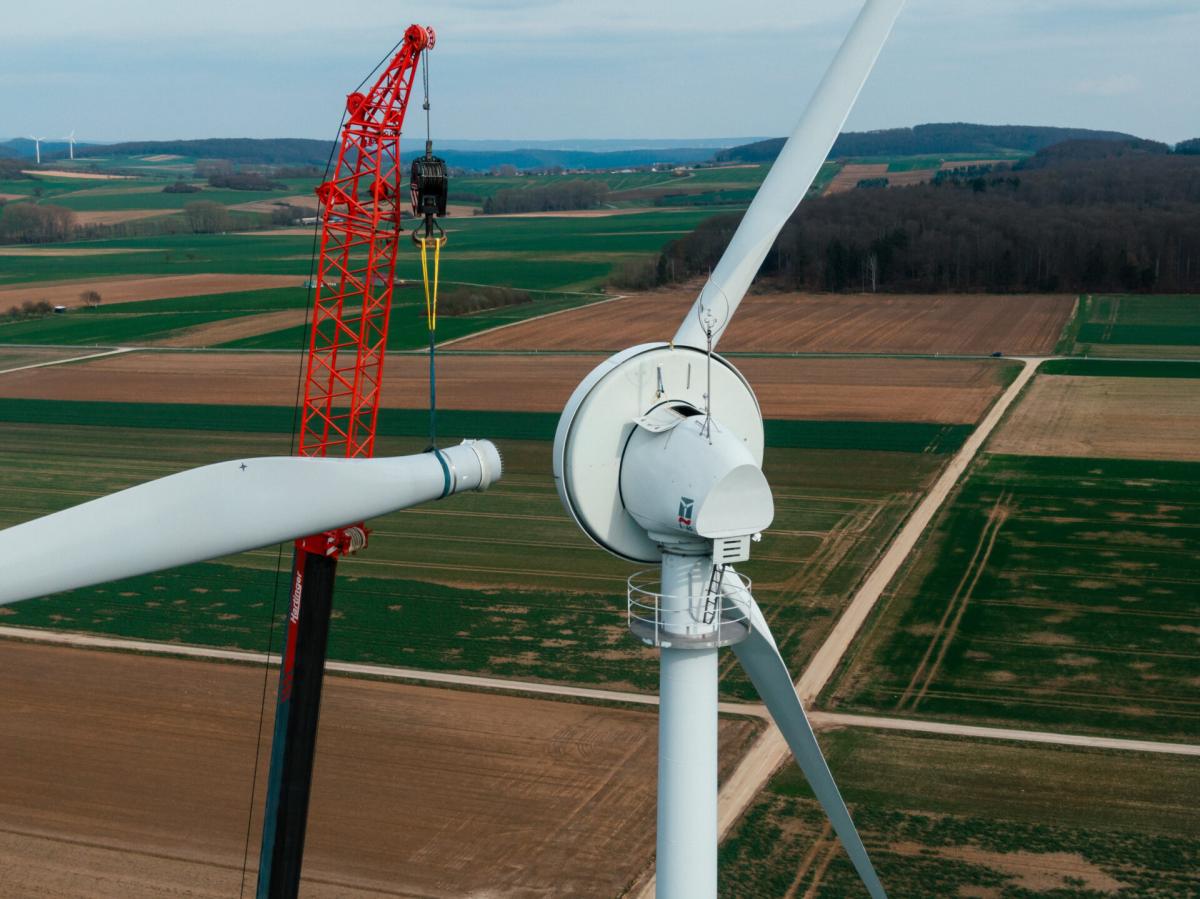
129,776
132,290
867,389
809,323
849,175
1133,418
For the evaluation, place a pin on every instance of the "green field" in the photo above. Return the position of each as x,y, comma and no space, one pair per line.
1121,368
501,583
103,194
551,253
1164,325
561,261
951,817
1052,593
155,320
815,434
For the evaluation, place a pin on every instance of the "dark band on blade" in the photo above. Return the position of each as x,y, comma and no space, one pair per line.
449,482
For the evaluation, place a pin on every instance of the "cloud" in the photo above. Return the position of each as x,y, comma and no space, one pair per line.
1108,86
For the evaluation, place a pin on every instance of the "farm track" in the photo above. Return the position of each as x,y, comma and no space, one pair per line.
819,719
84,358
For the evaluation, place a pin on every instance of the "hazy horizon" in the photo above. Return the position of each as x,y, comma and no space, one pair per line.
531,70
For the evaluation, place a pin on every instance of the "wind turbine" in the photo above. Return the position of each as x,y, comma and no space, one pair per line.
70,139
37,148
658,459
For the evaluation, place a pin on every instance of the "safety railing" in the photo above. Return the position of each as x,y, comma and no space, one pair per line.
666,621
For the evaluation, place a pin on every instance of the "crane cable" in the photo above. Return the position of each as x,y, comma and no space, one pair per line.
425,241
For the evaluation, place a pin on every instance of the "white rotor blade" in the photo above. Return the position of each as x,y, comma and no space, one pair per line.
761,660
225,508
792,174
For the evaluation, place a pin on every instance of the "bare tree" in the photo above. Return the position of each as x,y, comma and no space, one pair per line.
90,297
206,217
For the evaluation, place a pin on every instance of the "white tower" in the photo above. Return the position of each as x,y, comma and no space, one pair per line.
658,459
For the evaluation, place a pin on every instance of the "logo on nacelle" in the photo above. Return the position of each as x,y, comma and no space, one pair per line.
686,506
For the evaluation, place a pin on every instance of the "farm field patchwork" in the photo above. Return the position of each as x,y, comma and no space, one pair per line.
954,817
1136,325
1052,593
1105,417
416,791
116,291
976,324
533,253
506,569
839,389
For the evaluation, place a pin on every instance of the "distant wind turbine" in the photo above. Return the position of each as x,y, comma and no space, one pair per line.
70,139
37,148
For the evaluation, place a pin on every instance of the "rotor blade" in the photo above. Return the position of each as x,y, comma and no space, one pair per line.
761,660
791,175
225,508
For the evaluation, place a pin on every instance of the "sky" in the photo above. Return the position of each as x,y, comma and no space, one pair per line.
550,69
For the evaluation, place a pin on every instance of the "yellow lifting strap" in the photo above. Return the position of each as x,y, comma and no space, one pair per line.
431,293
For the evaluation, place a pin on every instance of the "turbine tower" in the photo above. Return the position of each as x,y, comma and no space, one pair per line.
37,148
70,139
658,458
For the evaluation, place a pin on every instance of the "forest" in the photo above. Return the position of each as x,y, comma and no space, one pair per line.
936,137
1071,218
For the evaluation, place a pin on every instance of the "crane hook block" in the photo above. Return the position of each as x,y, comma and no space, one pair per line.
430,186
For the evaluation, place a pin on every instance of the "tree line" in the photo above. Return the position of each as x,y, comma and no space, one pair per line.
554,197
1124,222
934,138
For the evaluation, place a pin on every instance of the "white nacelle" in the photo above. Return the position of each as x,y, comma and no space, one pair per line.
691,479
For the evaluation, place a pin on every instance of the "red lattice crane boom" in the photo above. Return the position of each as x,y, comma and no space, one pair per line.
360,235
360,227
